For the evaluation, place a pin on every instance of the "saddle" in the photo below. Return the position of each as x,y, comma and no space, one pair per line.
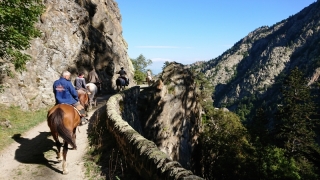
78,111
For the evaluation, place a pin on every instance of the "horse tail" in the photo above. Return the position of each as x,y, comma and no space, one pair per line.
93,89
56,119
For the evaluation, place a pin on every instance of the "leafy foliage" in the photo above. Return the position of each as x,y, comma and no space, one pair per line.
258,128
224,144
140,64
17,20
205,87
166,63
229,152
271,163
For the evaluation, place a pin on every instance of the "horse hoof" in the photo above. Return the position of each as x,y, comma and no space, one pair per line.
65,172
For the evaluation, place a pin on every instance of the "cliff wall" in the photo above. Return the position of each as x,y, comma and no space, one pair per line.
76,36
170,113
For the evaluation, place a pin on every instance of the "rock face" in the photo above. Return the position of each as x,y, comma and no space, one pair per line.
254,65
170,113
76,36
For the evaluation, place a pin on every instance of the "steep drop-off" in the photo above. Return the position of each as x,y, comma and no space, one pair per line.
170,113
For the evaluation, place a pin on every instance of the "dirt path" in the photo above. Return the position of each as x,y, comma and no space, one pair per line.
33,155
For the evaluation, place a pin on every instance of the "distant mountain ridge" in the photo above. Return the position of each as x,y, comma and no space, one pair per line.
256,63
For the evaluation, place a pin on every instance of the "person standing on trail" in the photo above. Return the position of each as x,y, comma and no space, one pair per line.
123,74
149,74
80,83
149,77
65,93
93,78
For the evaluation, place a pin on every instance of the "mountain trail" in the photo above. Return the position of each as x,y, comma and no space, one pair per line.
33,154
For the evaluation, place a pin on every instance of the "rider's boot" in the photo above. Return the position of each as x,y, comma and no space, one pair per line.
82,113
83,121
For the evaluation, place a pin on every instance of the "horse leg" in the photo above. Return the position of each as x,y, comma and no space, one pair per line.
64,162
91,101
58,144
89,104
74,137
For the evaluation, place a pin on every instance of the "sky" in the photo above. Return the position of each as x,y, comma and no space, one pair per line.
187,31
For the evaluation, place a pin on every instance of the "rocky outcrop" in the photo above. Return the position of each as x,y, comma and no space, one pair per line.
141,154
170,113
76,35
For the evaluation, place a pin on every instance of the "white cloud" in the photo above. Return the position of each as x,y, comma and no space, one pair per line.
164,47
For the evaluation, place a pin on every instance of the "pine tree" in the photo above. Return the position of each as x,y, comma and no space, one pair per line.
295,124
258,128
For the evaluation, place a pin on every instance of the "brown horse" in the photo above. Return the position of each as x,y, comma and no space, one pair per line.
83,99
63,120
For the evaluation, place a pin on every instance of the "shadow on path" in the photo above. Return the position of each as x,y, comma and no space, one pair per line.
32,151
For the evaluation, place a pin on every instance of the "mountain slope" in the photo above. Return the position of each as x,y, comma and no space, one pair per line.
254,65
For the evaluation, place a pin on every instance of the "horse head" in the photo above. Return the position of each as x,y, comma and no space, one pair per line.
83,99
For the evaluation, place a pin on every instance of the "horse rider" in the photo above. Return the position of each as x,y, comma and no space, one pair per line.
80,83
65,93
149,76
93,78
123,74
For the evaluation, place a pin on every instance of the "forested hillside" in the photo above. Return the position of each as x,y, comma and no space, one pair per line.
270,80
